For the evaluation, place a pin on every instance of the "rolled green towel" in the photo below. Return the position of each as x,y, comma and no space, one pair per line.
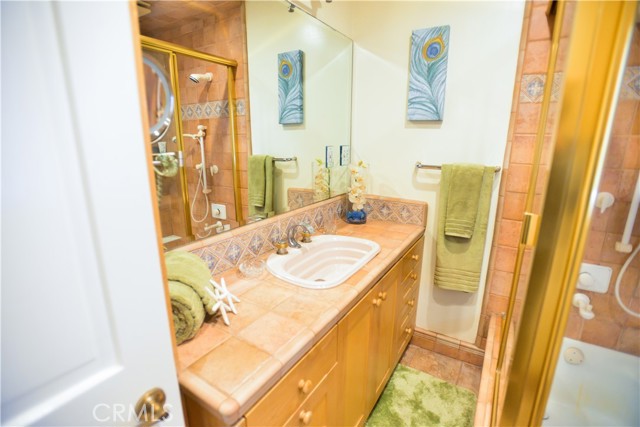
187,309
192,271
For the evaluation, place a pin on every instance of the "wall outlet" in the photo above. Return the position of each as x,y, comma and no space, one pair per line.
345,155
328,156
218,211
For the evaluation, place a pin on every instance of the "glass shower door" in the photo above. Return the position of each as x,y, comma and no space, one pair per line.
166,155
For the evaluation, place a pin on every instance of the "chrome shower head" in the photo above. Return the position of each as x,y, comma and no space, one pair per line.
197,78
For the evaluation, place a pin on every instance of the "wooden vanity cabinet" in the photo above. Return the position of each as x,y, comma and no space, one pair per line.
339,381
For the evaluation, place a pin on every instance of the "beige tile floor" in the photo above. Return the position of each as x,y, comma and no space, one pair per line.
444,367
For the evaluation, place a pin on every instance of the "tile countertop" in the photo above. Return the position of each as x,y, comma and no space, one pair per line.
229,368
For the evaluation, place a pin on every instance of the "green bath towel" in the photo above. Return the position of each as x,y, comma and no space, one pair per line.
260,175
188,313
462,204
459,260
192,271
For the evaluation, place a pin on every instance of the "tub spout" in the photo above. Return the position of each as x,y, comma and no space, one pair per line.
585,308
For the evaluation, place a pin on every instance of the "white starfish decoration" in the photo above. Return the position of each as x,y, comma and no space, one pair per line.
224,299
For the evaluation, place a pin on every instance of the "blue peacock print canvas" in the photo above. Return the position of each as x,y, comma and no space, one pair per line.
428,73
290,87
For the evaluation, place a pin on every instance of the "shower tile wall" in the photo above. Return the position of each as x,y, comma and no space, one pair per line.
611,328
218,30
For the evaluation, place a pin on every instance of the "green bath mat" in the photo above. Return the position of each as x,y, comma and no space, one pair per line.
413,398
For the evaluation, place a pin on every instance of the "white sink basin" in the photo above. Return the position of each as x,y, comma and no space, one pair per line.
326,262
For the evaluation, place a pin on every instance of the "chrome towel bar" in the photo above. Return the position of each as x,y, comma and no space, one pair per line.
285,159
420,165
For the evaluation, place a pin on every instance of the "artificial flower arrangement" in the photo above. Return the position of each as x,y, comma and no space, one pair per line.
321,182
356,214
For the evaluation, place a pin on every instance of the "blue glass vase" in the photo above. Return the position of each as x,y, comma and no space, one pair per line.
358,216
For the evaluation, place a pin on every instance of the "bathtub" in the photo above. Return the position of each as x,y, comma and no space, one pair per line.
604,390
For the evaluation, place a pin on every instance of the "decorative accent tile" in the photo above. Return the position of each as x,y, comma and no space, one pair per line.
532,87
256,243
631,83
211,110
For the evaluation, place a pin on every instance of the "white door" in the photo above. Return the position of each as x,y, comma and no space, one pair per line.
85,330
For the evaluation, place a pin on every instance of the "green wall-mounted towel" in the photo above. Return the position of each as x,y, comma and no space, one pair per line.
188,313
260,177
458,259
191,270
465,185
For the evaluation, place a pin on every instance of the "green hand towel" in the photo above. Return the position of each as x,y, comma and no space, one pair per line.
260,175
459,260
188,313
462,204
192,271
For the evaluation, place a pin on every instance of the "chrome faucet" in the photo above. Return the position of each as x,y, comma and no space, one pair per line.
291,235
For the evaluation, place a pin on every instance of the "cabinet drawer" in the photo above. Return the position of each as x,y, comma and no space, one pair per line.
291,391
408,302
403,333
319,409
412,260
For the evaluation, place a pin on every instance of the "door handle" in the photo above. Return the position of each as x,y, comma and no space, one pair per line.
150,407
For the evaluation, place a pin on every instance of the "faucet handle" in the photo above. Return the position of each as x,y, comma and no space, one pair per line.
281,247
306,237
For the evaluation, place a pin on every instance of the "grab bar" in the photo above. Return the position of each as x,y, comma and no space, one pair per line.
420,165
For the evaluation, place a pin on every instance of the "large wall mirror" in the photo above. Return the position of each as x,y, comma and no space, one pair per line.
298,164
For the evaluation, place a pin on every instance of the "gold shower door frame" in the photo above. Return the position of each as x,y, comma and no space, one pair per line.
172,49
598,40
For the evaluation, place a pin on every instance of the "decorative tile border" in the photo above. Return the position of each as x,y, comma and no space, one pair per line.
532,86
211,110
396,210
299,197
225,251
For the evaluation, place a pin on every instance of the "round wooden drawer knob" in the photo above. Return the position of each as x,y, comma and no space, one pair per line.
305,386
411,303
413,276
377,302
382,296
415,257
305,417
408,331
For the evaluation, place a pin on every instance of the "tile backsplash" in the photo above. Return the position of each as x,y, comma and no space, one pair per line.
225,251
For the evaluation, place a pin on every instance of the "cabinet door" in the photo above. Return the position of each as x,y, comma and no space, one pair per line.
354,334
381,354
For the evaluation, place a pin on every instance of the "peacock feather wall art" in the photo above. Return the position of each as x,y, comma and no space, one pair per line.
290,88
428,73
